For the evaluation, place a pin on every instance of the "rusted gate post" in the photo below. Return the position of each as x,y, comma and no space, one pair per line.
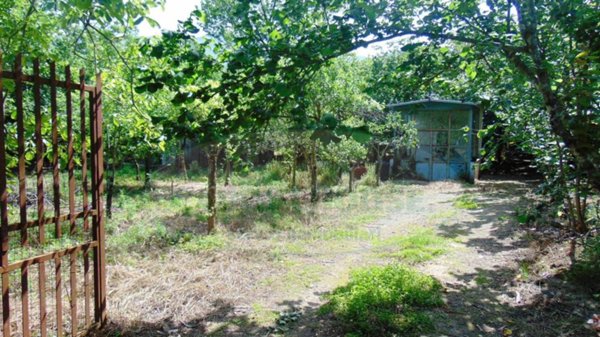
98,231
78,220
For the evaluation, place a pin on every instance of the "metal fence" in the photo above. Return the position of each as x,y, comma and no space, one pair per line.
57,234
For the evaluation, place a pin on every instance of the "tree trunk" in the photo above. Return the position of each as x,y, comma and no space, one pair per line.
351,179
227,172
181,165
313,173
137,170
378,169
110,190
294,165
579,135
213,156
147,168
581,225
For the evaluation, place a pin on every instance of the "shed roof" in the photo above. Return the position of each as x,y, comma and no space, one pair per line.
434,101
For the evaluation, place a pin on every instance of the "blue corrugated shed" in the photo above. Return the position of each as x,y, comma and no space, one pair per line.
447,132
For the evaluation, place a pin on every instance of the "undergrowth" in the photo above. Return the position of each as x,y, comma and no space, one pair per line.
586,270
385,301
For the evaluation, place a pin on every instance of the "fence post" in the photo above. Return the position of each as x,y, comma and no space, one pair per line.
98,225
4,217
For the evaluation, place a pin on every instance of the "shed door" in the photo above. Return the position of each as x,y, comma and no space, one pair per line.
443,151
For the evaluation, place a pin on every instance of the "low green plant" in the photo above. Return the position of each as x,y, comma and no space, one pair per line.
385,301
466,201
419,246
370,177
329,175
272,173
527,215
525,270
481,279
586,269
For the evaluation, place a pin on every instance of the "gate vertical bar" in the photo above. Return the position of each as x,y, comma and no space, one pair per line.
39,152
4,215
22,192
84,168
98,224
73,283
21,149
72,228
56,190
55,154
70,152
58,292
84,175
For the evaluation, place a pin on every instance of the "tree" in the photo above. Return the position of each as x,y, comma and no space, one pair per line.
67,29
130,133
185,66
553,45
272,49
97,36
389,132
344,155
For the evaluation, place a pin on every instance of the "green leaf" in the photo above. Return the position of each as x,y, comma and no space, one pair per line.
275,35
361,135
82,4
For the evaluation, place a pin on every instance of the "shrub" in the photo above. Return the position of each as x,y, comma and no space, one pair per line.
275,171
586,270
329,175
370,178
270,173
385,300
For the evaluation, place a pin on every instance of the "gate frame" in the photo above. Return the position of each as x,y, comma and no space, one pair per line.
95,210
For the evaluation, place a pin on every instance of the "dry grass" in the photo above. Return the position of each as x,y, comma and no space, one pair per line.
269,236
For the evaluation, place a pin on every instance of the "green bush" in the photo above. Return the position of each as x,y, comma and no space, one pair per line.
384,301
329,175
586,270
268,174
275,171
370,178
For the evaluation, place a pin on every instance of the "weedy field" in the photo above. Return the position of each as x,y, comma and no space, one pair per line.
280,265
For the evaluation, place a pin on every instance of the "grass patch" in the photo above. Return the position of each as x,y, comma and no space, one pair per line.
465,201
481,279
419,246
262,315
524,270
385,301
295,276
198,243
442,215
343,234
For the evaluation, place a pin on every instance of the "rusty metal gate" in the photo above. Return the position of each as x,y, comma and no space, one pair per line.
52,259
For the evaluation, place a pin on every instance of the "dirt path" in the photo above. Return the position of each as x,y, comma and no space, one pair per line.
481,272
